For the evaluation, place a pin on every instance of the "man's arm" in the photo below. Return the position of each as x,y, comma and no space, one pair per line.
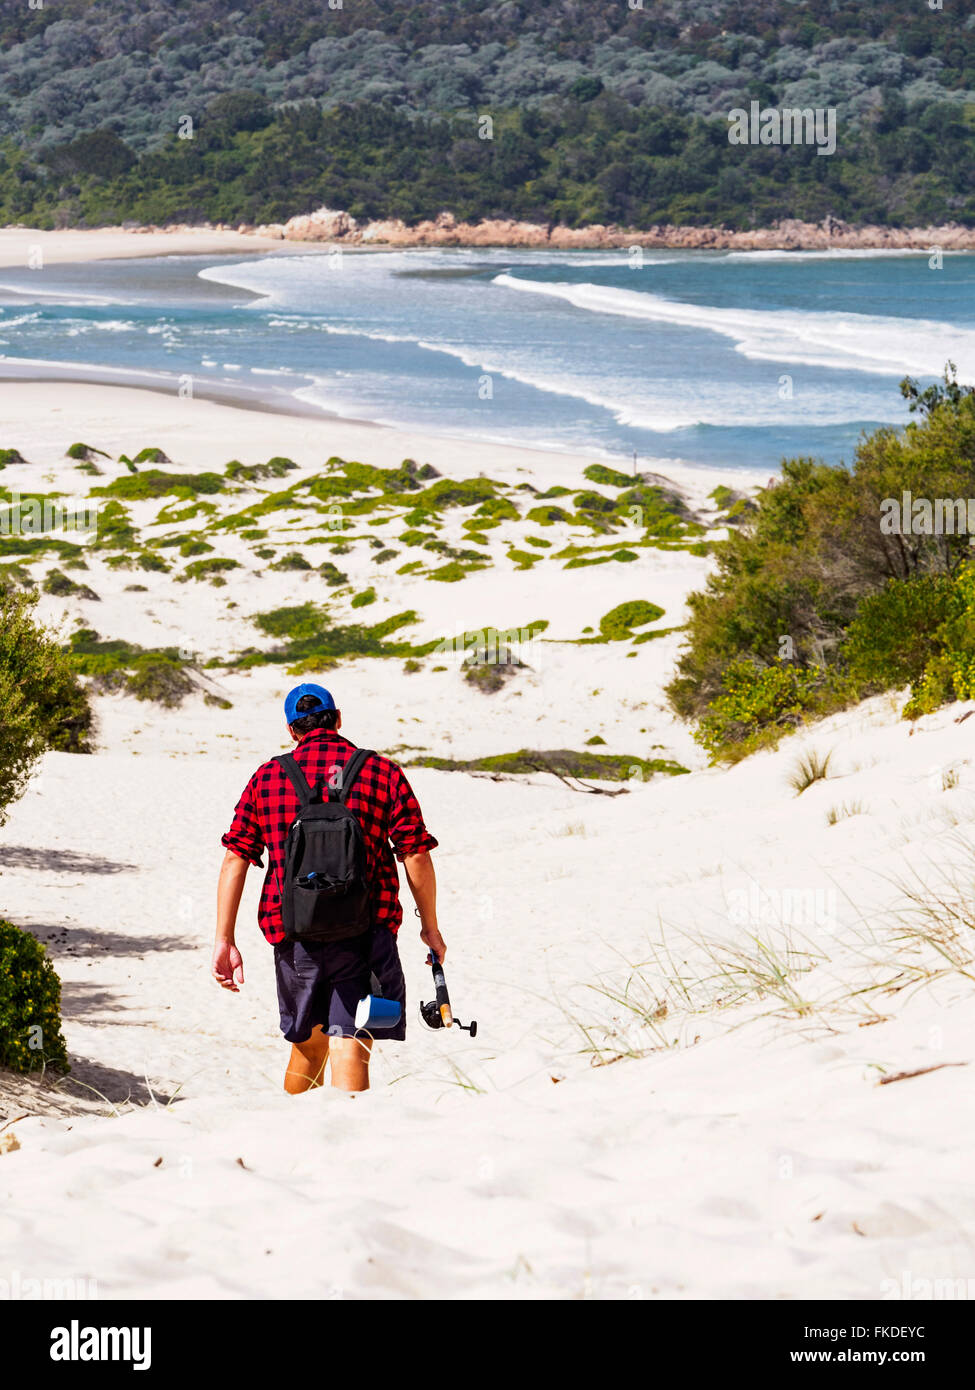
228,965
422,878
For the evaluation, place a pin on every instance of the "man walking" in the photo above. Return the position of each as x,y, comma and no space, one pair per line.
319,983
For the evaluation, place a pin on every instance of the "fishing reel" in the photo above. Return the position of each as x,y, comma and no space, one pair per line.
430,1013
438,1013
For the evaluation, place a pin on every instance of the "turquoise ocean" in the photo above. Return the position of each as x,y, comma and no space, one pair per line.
731,359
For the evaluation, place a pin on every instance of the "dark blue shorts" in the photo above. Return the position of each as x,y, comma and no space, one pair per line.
321,982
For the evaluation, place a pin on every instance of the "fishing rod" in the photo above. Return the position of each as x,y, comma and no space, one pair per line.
438,1013
376,1013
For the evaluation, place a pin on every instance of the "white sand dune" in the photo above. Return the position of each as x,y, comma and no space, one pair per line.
737,1145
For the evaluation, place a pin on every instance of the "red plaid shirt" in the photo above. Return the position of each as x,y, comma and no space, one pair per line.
381,798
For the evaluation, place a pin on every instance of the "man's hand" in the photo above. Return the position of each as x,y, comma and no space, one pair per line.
434,942
228,966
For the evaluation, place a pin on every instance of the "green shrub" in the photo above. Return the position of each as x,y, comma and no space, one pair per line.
757,706
30,1005
498,509
115,529
332,575
42,703
15,576
609,477
593,502
205,569
11,456
949,672
821,563
453,571
292,561
581,562
616,625
469,493
84,453
489,676
189,548
562,762
308,637
160,678
61,586
660,513
158,674
251,473
547,516
523,559
890,640
363,599
142,486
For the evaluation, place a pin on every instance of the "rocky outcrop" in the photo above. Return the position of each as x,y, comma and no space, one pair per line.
326,225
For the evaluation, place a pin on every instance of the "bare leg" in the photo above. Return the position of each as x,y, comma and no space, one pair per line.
306,1066
350,1063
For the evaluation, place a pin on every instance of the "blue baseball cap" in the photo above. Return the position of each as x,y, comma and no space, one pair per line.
291,711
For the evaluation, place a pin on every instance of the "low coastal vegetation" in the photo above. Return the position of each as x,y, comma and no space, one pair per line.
162,675
42,703
823,595
30,1006
562,763
42,706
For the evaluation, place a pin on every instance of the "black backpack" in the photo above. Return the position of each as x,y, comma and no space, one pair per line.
325,892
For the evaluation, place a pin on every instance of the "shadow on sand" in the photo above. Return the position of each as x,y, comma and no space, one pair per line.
86,941
60,861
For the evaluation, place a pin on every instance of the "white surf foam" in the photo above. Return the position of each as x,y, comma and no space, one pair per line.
839,253
861,342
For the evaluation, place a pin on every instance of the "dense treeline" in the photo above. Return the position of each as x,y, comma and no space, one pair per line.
577,161
842,583
602,112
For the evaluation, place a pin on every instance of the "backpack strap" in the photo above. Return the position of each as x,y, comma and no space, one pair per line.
349,773
291,768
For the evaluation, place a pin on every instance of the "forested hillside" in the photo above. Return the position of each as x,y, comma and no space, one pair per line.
602,112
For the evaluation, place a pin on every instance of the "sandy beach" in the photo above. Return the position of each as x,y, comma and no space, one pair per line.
25,246
643,1114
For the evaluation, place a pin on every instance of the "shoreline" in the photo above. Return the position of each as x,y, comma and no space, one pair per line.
684,473
202,427
28,247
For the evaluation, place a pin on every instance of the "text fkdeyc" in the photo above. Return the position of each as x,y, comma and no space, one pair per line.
77,1343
